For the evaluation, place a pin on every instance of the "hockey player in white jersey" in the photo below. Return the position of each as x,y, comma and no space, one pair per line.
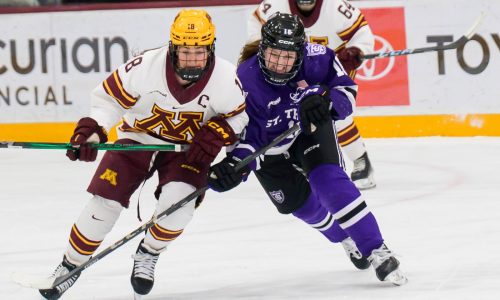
176,94
338,25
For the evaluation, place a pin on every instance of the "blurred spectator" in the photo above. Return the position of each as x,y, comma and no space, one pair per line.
95,1
49,2
19,3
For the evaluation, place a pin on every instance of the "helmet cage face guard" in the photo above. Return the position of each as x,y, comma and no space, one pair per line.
282,32
278,78
192,74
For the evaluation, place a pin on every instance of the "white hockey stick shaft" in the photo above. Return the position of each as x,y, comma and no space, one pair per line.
454,45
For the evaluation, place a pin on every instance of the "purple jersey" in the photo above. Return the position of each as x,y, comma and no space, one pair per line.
272,109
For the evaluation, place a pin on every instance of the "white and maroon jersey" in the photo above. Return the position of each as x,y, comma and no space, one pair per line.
333,23
154,108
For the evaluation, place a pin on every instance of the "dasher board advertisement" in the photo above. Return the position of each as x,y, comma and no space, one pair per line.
51,61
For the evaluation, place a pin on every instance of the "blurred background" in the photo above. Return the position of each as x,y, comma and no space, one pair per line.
54,52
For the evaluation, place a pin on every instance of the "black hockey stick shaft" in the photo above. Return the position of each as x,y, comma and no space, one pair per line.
170,210
454,45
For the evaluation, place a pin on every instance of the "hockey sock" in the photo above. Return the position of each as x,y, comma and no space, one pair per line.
170,227
314,214
339,195
349,139
95,221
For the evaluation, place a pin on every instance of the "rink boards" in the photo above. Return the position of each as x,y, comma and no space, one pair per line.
50,61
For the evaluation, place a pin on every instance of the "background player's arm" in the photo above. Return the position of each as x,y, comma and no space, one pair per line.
363,39
352,27
255,21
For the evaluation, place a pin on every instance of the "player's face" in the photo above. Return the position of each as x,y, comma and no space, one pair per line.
279,61
192,57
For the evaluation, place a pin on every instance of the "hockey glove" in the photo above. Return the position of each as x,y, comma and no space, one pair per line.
314,108
224,177
350,58
87,131
209,140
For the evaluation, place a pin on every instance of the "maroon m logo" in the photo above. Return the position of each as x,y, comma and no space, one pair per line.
180,128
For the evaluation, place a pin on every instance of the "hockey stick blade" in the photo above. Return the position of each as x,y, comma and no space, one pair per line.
453,45
474,27
32,281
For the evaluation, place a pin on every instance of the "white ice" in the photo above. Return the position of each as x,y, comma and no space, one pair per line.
437,202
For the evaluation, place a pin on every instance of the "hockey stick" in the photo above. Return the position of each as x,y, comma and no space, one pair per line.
108,147
454,45
48,283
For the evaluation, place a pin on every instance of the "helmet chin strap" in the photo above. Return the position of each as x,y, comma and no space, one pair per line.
189,74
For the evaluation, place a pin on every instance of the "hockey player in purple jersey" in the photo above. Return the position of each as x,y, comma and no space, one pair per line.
288,81
341,26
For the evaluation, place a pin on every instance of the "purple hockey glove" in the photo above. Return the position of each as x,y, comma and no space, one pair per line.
224,177
314,108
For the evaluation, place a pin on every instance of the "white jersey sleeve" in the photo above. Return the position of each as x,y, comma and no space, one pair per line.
351,26
261,14
116,94
230,101
254,23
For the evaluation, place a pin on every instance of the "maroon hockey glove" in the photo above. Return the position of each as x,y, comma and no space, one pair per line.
209,140
85,129
350,58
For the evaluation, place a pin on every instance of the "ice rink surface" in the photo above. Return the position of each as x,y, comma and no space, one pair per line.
437,203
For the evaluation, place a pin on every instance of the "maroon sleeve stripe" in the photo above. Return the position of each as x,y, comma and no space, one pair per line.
341,46
352,74
347,34
257,16
114,87
238,110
